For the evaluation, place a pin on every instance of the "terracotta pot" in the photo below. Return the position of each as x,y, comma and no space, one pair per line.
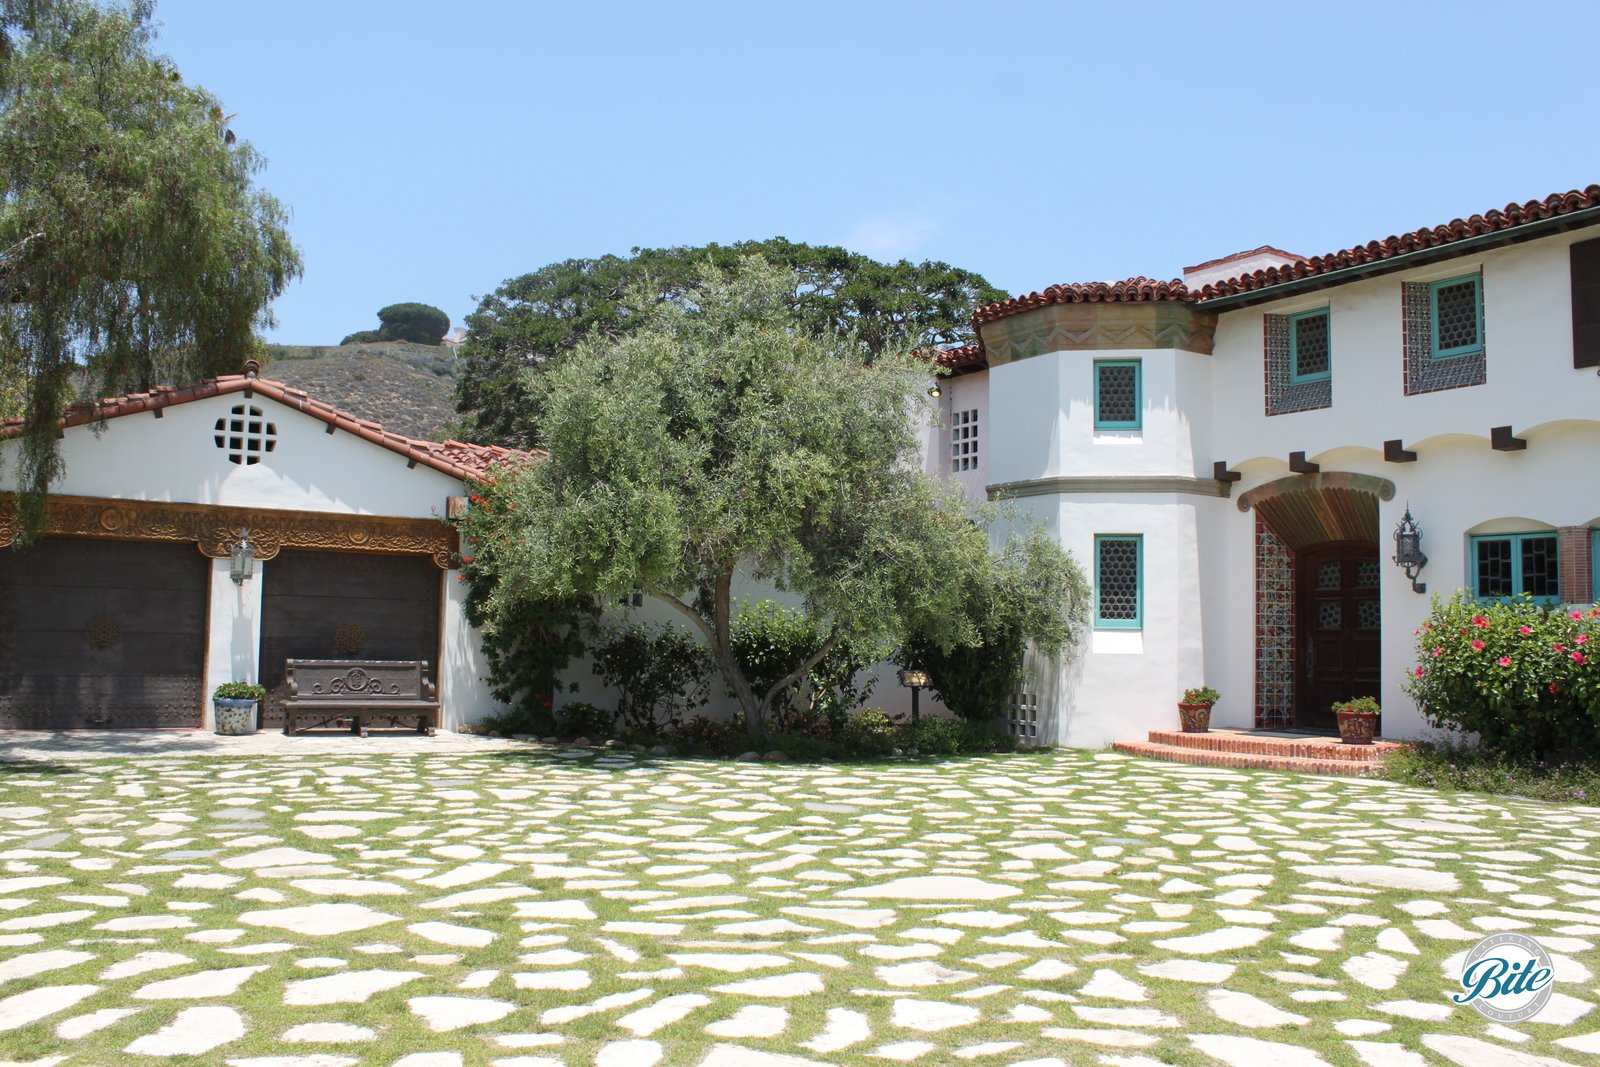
1196,718
1357,727
233,716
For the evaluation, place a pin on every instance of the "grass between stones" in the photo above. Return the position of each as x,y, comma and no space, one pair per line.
543,908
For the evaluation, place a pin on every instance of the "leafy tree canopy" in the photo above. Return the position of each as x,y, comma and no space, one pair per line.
718,440
1030,592
533,319
134,247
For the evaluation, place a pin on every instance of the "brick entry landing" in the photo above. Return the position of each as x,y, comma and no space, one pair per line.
1270,750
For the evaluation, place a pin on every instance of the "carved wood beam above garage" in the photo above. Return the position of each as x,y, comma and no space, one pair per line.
213,529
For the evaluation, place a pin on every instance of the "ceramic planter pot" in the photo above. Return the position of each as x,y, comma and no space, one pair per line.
1357,727
234,716
1196,718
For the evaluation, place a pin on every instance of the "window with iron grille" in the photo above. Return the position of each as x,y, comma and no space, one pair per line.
1118,581
1116,394
964,441
244,435
1456,305
1310,356
1505,565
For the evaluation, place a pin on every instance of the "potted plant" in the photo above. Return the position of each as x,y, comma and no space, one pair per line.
1358,720
1194,710
234,707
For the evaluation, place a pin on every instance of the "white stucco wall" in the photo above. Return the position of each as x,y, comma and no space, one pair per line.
1122,683
174,459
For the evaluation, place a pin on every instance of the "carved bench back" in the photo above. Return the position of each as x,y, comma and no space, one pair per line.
327,679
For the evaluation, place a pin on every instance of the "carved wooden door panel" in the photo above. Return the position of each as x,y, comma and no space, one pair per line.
1339,629
102,633
345,605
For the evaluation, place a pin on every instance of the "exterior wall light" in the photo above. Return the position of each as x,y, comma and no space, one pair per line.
916,681
934,391
1408,550
242,559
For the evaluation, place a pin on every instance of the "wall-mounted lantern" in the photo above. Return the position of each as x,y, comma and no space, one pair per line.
934,391
1408,550
916,681
242,559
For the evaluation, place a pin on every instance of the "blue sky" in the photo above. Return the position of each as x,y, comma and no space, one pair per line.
430,151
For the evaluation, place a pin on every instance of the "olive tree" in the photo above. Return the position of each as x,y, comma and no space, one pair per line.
720,441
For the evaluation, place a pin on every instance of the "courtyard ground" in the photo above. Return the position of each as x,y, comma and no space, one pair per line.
514,905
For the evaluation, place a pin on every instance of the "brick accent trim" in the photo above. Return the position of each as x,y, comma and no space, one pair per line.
1577,568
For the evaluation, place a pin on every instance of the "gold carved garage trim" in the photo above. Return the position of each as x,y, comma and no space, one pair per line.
213,529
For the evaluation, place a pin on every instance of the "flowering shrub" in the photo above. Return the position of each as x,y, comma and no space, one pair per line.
1522,676
1358,706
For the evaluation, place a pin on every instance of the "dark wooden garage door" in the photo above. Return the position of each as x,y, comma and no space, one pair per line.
101,633
345,605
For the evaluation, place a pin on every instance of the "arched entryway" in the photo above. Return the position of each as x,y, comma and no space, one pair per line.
1318,617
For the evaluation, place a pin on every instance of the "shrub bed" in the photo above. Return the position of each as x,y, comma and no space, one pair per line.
1520,675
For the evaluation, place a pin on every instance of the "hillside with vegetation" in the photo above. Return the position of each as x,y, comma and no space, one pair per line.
407,387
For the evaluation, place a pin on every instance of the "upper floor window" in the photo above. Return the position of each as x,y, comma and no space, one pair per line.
964,441
1299,358
1119,581
1310,358
1456,307
1443,334
1117,394
1505,565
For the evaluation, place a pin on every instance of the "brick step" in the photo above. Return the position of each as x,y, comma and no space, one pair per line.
1257,745
1201,757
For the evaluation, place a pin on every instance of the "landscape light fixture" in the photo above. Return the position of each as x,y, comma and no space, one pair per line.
916,681
1408,550
242,559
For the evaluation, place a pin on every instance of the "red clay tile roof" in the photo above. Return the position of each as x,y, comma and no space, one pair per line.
1141,289
1511,216
1263,250
959,359
459,460
1127,291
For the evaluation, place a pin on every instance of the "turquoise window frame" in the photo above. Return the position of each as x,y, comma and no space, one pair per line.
1594,564
1138,395
1516,540
1137,622
1433,316
1295,377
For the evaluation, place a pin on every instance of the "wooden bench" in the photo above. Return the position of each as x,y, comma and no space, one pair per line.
328,690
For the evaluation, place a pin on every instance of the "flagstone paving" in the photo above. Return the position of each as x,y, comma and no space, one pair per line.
523,907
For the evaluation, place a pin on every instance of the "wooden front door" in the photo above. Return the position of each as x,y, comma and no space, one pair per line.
345,605
102,633
1338,629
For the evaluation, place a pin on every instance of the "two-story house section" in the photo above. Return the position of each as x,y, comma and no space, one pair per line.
1230,456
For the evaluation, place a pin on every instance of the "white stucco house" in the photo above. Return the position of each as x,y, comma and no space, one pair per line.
125,615
1230,455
